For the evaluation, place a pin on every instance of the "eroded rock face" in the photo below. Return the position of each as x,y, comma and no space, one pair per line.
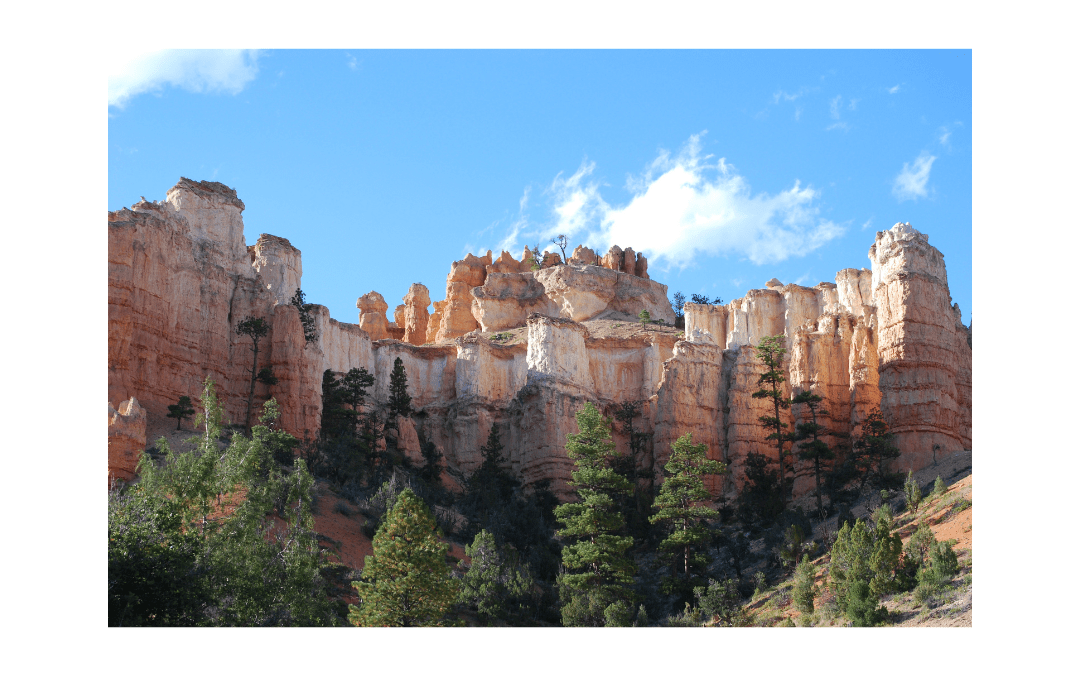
127,439
373,315
180,278
919,353
415,313
277,262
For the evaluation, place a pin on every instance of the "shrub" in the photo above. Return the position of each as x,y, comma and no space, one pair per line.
912,493
939,487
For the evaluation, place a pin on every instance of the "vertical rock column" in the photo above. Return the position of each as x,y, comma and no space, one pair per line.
917,346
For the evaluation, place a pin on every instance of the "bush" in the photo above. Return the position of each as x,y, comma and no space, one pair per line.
862,606
939,487
912,493
721,600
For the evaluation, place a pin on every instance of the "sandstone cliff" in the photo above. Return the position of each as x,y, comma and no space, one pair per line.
181,277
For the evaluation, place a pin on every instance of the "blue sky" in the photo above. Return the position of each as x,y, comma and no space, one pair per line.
726,168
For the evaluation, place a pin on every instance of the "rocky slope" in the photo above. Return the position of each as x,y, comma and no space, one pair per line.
526,348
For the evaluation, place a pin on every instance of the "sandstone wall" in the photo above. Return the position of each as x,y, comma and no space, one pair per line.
919,353
181,278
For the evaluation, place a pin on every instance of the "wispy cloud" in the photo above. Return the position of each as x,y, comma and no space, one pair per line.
893,90
843,126
785,96
943,136
350,61
911,182
196,70
867,224
834,107
798,112
683,207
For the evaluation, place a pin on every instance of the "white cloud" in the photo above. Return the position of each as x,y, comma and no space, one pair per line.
943,136
686,206
843,126
834,107
783,95
798,113
893,90
867,224
851,105
911,182
350,61
197,70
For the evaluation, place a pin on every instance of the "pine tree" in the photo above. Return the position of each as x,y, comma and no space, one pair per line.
496,584
181,410
307,321
256,329
399,405
812,448
595,586
679,504
874,447
912,493
354,385
204,521
644,318
407,582
771,352
805,590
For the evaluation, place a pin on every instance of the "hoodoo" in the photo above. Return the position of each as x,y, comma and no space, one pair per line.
181,278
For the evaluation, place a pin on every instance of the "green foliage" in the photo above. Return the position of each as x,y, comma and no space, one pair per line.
181,410
645,318
864,557
704,300
494,501
255,328
862,606
598,574
266,376
407,582
194,542
770,351
760,499
536,257
939,487
912,493
307,321
677,303
679,508
871,450
400,402
500,337
635,507
811,447
805,591
496,584
794,545
721,600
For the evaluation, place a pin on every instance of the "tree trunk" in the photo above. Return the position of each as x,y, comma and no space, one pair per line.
251,393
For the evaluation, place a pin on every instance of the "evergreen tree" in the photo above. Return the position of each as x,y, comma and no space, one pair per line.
196,541
636,506
679,505
256,329
307,321
863,567
181,410
678,304
595,586
400,402
771,352
760,499
496,584
644,318
805,590
812,448
873,448
912,493
407,582
354,385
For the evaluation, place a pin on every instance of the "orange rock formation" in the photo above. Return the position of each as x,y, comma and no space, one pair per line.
181,277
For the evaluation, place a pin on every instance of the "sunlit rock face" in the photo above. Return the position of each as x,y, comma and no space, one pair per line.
181,278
